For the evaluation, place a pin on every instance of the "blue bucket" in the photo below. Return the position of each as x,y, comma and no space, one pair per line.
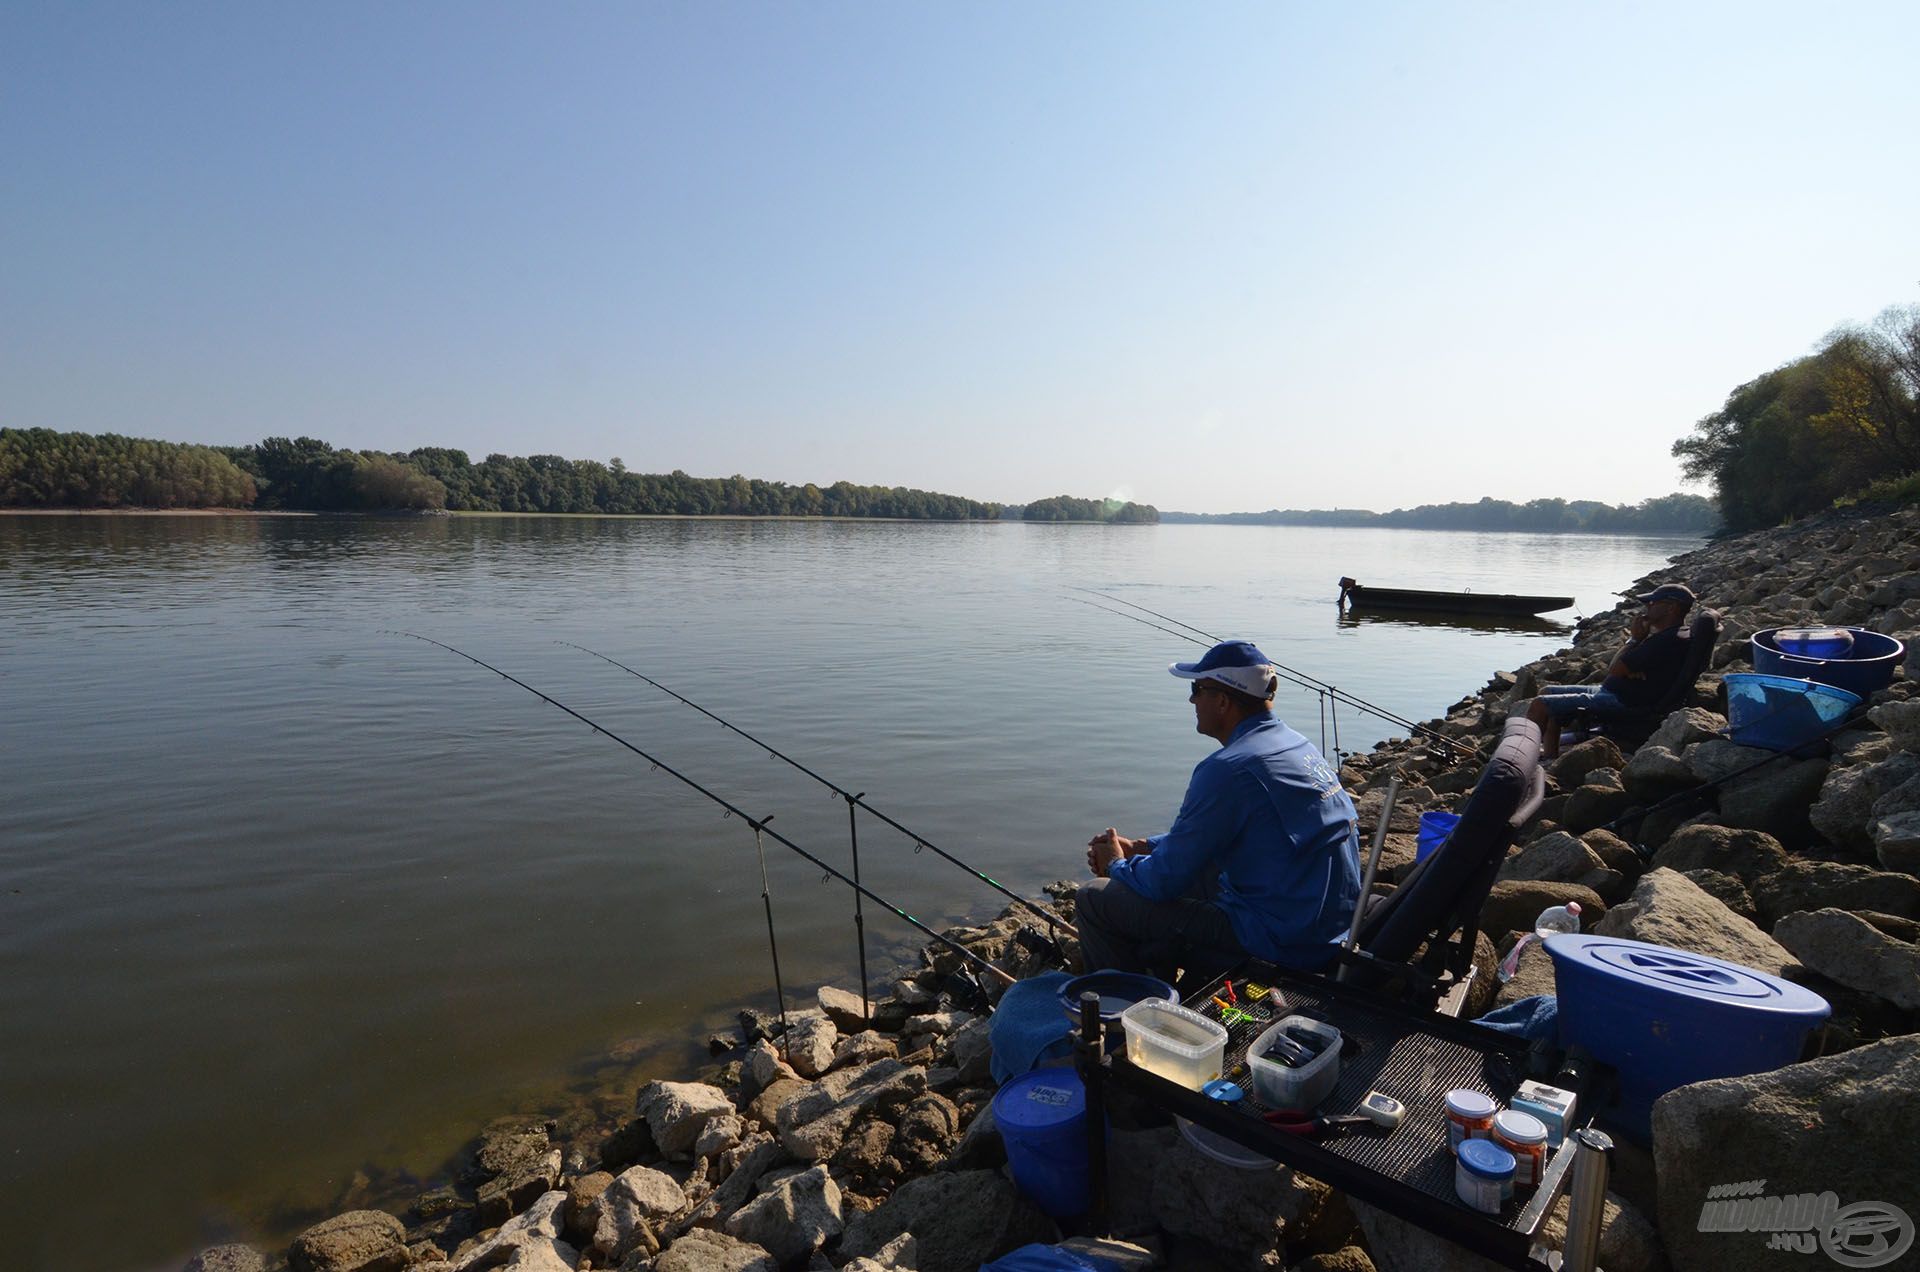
1779,713
1434,829
1042,1117
1665,1018
1865,667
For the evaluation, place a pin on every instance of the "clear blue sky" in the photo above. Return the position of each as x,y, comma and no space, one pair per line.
1213,257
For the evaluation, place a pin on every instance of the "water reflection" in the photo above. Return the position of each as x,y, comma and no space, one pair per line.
1521,624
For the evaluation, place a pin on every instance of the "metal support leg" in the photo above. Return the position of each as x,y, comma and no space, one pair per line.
1587,1200
1090,1059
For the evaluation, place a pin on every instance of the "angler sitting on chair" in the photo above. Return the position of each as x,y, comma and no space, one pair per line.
1262,859
1640,675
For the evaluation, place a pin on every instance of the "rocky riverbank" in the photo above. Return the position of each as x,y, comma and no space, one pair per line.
869,1145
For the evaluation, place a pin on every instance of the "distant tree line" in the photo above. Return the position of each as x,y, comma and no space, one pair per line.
1840,421
1668,514
41,468
1067,508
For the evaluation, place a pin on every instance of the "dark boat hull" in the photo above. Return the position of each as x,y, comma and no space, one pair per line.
1401,598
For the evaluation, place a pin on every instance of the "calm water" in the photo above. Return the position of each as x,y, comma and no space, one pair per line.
285,896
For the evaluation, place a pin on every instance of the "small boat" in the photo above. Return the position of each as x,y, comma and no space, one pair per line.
1356,596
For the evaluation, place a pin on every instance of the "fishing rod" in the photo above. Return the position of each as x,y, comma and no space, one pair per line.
759,826
1300,678
854,800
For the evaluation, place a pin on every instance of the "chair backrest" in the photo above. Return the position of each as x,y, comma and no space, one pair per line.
1703,633
1442,897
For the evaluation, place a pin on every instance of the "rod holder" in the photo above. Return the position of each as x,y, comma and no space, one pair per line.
1587,1200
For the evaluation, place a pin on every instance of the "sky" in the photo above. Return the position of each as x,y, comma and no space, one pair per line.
1215,258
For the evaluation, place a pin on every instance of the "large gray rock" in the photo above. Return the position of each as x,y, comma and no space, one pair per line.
1558,857
1596,803
1720,759
1571,769
809,1043
961,1220
1248,1213
1513,904
676,1113
358,1241
1669,909
704,1250
1655,773
972,1045
227,1258
844,1008
813,1125
639,1196
1843,813
1684,728
1901,720
1775,799
1846,948
793,1218
1843,1125
1747,855
1727,890
751,1161
1834,885
864,1048
1896,842
529,1242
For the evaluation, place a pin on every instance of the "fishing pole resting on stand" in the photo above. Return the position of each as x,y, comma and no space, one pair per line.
855,800
760,828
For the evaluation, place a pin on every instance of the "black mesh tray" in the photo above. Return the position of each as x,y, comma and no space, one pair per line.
1415,1058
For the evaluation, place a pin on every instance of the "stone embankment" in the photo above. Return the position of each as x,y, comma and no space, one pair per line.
868,1144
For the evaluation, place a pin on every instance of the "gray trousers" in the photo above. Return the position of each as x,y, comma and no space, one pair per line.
1122,930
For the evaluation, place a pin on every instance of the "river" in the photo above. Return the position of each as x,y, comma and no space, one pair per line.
287,897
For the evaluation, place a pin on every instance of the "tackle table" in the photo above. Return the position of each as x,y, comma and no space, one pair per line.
1416,1058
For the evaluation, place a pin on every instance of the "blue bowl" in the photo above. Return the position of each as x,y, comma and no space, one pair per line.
1865,669
1779,713
1118,991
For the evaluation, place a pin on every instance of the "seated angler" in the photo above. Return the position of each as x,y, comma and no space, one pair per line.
1263,858
1639,676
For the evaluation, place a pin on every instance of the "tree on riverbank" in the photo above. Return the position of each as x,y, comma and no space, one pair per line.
40,468
1828,425
1110,511
1668,514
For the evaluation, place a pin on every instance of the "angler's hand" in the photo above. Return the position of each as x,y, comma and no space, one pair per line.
1108,847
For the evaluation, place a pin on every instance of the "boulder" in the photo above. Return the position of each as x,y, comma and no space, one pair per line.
812,1125
676,1113
507,1194
1247,1213
1901,720
1513,904
939,1023
1896,842
1844,811
750,1162
1620,856
808,1045
1824,885
973,1051
793,1218
902,1254
1775,799
1742,1159
864,1048
639,1196
1747,855
1534,975
1654,773
1669,909
1718,759
1846,948
1684,728
508,1146
844,1008
1558,857
925,1135
1596,803
762,1067
583,1206
980,1146
704,1250
1571,769
719,1135
227,1258
1727,890
960,1220
357,1241
528,1242
766,1107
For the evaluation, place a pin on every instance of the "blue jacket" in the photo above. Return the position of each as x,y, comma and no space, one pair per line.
1265,817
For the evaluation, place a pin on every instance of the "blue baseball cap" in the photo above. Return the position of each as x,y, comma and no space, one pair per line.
1237,664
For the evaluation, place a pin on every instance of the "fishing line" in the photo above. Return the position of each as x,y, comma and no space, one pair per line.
731,808
1287,673
853,800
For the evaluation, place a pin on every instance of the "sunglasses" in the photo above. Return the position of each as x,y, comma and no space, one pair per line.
1200,685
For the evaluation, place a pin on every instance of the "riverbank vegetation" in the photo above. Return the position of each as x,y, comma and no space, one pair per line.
1668,514
1842,422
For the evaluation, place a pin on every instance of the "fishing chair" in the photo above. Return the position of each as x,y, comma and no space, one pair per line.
1631,729
1417,942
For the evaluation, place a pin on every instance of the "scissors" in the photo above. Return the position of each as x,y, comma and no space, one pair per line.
1303,1122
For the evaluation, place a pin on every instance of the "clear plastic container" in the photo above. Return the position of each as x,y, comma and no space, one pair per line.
1283,1087
1177,1044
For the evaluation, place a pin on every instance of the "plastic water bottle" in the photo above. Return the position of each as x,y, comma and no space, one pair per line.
1555,918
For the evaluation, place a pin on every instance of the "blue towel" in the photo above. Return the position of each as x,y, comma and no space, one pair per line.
1530,1018
1029,1026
